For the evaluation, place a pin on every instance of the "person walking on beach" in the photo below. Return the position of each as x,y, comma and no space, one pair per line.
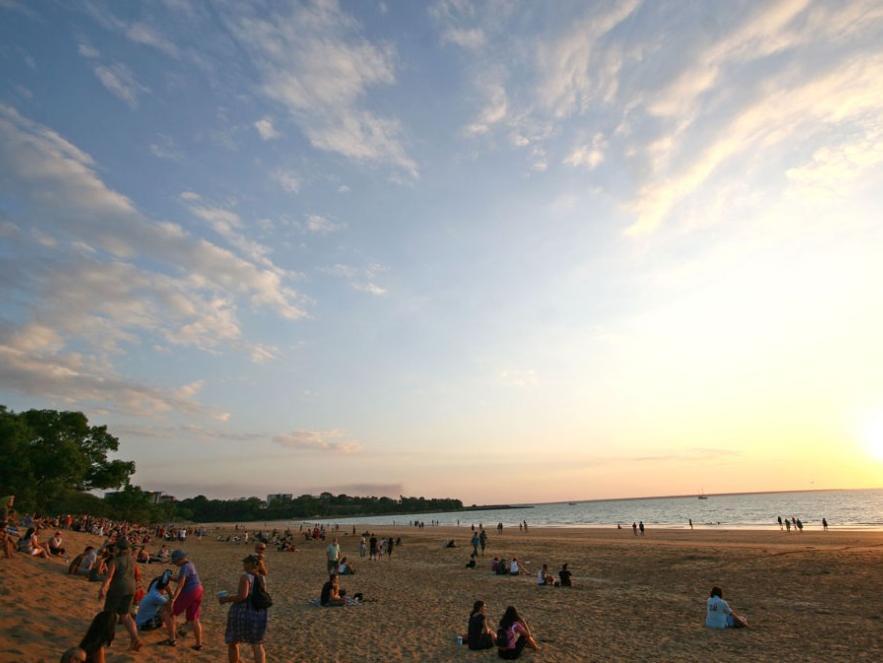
475,542
780,523
788,525
482,540
691,523
641,527
825,524
118,590
186,599
333,553
500,528
246,623
635,528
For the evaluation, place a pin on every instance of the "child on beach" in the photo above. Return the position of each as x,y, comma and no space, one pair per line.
718,613
331,596
544,577
514,635
245,622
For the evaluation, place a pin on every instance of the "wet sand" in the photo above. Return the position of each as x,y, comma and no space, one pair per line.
810,596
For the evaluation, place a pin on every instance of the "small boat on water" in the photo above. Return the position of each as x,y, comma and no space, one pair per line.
702,495
572,503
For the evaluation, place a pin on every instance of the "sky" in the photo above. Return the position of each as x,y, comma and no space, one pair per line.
499,251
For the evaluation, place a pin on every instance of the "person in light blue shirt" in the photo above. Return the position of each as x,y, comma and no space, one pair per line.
718,613
152,611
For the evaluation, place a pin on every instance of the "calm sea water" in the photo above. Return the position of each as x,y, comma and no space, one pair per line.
852,509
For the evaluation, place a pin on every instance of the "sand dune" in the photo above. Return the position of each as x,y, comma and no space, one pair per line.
813,596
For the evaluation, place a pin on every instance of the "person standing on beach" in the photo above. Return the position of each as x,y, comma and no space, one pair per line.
118,590
372,547
641,527
500,528
260,550
635,528
389,546
482,540
363,547
825,524
780,523
333,552
475,541
691,523
186,599
788,525
245,623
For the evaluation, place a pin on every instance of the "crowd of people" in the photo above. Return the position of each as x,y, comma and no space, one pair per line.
171,603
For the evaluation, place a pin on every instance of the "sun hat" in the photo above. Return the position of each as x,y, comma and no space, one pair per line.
178,555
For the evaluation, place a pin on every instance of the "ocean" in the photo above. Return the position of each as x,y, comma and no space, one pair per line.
844,509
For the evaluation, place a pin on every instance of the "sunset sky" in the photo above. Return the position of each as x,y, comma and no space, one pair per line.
500,251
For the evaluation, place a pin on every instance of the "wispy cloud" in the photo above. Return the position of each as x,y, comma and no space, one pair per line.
120,81
287,179
362,279
315,62
266,130
332,441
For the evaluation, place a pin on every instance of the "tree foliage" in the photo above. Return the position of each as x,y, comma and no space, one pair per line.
47,454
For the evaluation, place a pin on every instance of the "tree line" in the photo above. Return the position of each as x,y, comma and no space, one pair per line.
54,462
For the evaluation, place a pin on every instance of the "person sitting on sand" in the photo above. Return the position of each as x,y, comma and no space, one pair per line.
186,599
494,563
73,655
514,569
332,595
162,555
100,634
544,577
345,568
479,635
118,590
56,545
153,611
143,556
77,562
245,623
502,568
718,613
30,544
471,563
514,635
564,574
99,569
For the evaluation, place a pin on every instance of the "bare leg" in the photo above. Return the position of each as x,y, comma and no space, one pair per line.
260,655
233,653
129,623
197,631
170,625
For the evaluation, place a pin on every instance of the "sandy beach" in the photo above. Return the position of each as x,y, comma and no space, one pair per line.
811,596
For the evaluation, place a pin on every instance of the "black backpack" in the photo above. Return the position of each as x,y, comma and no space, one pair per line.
260,598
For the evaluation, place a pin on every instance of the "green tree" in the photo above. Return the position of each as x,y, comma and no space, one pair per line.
47,453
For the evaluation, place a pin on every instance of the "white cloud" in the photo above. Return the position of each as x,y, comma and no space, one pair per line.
319,225
317,65
165,148
141,33
189,196
468,38
120,81
87,51
580,67
266,129
495,110
361,279
343,188
333,441
287,179
590,155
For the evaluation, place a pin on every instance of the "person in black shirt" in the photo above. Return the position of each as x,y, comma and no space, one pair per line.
480,635
564,574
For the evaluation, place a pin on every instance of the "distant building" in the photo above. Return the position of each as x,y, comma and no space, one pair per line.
279,497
